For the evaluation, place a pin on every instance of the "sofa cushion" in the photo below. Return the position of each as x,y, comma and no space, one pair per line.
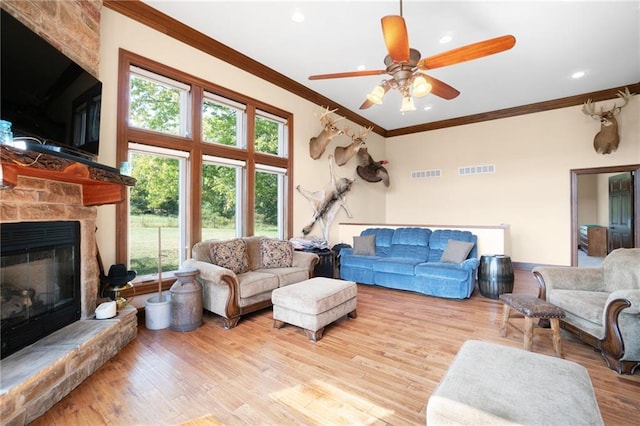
364,245
275,253
456,251
383,239
588,305
440,238
441,270
396,265
230,254
410,243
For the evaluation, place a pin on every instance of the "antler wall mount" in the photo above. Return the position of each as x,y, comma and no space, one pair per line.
405,65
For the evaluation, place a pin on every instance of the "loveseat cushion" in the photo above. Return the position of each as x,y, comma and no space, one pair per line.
287,276
230,254
588,305
256,282
275,253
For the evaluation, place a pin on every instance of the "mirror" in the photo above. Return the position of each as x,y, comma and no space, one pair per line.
585,211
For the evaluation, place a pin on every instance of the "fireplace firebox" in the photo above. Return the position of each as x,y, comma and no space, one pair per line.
39,280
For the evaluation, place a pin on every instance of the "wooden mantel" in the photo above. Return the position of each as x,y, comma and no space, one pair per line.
99,186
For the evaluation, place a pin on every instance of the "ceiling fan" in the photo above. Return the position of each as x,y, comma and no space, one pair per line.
405,64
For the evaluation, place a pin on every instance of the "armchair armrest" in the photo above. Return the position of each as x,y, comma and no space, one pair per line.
568,278
632,295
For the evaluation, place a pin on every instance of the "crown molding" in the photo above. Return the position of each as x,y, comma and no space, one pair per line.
157,20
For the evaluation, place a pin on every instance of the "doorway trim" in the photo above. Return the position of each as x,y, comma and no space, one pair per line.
574,202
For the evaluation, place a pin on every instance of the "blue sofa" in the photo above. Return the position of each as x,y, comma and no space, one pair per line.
411,259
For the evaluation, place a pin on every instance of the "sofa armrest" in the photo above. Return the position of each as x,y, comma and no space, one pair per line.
346,251
209,271
470,264
305,260
568,278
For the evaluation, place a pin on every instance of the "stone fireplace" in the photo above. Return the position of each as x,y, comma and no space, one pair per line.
59,190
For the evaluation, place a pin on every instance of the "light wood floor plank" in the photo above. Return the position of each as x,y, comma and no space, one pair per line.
377,369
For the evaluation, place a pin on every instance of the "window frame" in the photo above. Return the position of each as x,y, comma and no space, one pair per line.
197,149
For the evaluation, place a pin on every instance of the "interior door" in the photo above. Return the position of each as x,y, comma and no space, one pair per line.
620,211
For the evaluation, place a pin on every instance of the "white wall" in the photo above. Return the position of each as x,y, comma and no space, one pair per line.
532,154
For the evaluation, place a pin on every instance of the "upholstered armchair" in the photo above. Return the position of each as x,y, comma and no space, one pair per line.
602,305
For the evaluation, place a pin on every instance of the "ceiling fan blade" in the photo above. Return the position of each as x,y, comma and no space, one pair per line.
469,52
394,31
347,74
440,88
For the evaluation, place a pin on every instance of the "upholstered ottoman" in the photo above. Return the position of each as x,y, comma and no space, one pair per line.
494,384
314,303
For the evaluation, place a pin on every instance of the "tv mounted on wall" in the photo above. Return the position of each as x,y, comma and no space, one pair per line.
51,101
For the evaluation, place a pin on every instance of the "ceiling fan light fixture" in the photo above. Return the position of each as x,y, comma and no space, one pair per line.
407,104
376,95
421,86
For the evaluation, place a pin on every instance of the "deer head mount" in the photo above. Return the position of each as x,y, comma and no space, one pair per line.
607,139
343,154
318,144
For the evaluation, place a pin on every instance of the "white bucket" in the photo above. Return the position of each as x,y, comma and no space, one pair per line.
158,314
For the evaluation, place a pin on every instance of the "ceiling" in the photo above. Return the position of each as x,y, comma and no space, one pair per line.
554,39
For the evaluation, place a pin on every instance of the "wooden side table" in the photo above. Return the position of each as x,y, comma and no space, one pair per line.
531,307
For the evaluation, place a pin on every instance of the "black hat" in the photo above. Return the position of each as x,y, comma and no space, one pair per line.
118,275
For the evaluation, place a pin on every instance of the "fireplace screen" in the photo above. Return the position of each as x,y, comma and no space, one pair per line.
39,280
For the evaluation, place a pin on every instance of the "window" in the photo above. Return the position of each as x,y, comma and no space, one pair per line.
225,179
158,103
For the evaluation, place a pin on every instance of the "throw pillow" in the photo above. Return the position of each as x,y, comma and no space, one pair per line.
456,251
230,254
364,245
276,253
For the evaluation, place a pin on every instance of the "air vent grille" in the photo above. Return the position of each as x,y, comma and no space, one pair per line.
476,170
424,174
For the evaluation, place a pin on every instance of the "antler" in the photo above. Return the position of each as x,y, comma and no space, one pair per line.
625,96
588,107
365,132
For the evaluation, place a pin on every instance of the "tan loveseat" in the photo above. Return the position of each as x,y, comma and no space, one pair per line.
238,275
602,305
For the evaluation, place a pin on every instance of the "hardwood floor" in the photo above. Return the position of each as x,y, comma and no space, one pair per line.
380,368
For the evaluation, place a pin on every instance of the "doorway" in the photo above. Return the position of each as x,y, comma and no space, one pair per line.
634,169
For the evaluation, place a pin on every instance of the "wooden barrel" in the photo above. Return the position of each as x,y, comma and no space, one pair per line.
495,275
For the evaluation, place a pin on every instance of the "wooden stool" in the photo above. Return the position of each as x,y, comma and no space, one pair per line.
531,307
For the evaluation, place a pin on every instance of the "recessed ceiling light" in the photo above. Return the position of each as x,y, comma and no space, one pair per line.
297,16
361,67
445,39
428,107
578,74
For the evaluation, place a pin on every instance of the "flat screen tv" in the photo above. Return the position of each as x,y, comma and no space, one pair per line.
52,103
